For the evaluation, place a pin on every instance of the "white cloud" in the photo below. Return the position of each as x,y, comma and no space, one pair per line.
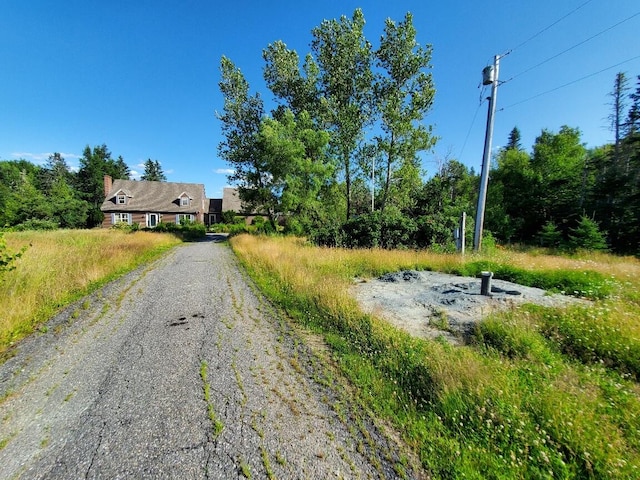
224,171
42,157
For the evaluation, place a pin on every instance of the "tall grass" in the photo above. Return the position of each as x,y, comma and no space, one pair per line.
540,393
60,266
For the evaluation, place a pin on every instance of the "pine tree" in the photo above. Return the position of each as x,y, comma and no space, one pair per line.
514,140
153,171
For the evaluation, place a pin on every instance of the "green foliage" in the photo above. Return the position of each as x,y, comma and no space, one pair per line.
592,335
153,171
35,224
187,230
404,94
94,165
229,216
587,235
7,258
586,283
550,236
515,404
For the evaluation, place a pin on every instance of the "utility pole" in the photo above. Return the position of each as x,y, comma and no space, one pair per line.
489,77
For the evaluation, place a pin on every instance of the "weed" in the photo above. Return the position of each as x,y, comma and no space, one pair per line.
216,423
280,459
61,267
245,469
539,393
266,463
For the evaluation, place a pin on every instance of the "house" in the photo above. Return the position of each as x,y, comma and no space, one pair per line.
148,203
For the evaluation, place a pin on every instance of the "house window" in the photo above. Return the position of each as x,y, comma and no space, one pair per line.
184,201
184,216
121,217
121,199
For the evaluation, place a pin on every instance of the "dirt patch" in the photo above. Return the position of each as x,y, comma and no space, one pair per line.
432,304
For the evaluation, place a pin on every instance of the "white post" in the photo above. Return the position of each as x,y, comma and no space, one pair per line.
373,183
463,228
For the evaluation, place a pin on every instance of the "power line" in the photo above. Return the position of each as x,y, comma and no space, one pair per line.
470,128
571,83
574,46
547,28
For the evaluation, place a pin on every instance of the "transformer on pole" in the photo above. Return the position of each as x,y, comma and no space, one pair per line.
489,77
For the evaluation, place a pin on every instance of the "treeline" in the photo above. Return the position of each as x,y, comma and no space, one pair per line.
53,196
351,114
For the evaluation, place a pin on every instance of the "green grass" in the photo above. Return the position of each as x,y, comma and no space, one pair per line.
540,393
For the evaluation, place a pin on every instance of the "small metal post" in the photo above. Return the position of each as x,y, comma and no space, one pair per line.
485,287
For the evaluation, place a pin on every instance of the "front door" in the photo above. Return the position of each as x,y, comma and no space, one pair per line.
153,220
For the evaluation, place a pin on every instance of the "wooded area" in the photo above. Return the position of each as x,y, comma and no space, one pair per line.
53,196
350,115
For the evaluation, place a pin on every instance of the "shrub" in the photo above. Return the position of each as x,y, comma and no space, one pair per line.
328,235
228,216
36,224
191,231
396,230
188,231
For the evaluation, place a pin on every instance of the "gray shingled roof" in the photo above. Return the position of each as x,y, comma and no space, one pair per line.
231,200
155,197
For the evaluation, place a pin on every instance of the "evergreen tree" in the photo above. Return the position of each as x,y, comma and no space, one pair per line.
514,140
618,104
587,235
94,165
153,171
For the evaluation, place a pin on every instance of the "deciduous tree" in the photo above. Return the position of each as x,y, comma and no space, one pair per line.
404,93
344,60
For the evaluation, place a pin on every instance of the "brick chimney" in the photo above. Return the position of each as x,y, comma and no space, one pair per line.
108,185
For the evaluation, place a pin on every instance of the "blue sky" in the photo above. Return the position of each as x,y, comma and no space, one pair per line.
142,76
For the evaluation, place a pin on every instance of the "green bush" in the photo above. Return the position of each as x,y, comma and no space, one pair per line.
36,224
228,216
330,234
396,230
191,231
187,230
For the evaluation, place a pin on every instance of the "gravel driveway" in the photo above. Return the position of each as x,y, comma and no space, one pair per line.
179,370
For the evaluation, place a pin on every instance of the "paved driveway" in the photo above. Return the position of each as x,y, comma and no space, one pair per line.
178,370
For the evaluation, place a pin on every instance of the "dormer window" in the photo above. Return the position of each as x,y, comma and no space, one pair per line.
121,199
184,200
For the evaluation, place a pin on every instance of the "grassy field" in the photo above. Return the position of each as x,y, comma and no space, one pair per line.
540,393
60,266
